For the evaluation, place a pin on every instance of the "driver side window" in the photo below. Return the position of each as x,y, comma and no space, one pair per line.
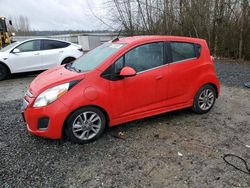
119,64
30,46
142,58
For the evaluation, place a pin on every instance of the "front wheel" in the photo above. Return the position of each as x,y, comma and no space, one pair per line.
85,125
4,73
204,99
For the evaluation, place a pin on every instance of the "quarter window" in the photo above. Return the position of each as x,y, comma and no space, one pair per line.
182,50
33,45
143,57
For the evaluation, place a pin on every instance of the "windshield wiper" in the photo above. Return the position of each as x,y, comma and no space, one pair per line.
70,67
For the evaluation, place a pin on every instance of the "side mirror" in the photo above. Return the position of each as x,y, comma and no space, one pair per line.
127,72
10,22
16,50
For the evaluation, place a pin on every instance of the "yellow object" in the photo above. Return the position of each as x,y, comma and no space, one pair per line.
4,35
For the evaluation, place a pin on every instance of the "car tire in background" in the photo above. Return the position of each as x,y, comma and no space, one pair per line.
204,99
68,60
4,72
85,125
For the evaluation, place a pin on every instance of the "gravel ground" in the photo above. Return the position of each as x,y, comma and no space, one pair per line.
231,73
147,153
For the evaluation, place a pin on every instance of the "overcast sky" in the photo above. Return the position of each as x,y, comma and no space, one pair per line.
56,14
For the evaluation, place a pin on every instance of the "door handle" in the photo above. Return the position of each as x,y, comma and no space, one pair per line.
159,77
37,54
61,51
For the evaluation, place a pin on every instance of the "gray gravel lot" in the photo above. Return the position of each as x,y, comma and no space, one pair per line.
147,153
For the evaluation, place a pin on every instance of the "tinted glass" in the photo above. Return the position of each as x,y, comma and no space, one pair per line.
145,57
181,51
119,64
53,44
33,45
96,56
198,50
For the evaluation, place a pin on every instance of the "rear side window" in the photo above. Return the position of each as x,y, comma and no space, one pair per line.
53,44
182,50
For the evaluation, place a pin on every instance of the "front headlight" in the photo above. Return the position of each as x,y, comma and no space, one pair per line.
51,94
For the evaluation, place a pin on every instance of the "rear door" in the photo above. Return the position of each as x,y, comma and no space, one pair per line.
29,57
52,51
182,71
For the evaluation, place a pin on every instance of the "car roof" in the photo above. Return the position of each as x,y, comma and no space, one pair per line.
44,38
148,38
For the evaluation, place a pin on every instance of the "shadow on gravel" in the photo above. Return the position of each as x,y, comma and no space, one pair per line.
158,119
133,126
24,75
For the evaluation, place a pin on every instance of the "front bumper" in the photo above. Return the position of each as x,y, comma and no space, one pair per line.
56,112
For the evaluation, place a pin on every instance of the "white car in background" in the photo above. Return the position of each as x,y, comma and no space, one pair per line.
35,55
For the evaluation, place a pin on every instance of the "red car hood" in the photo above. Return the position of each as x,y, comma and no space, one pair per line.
51,78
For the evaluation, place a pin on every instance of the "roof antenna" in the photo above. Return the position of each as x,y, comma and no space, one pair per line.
117,37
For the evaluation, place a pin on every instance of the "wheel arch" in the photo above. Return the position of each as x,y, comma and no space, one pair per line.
4,64
95,106
207,83
206,79
215,88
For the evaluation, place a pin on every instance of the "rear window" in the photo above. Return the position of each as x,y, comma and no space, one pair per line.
53,44
182,51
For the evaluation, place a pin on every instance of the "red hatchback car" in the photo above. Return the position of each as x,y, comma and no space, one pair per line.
122,80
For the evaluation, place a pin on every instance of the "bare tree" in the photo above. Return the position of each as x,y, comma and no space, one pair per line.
21,25
225,24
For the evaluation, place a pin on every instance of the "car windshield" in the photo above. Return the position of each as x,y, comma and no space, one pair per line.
6,48
95,57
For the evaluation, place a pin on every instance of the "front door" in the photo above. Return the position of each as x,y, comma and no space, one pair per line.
28,59
145,91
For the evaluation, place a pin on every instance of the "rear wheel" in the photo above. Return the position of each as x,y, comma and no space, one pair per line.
68,60
4,72
85,125
204,99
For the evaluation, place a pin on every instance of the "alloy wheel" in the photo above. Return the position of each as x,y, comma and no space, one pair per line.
206,99
86,125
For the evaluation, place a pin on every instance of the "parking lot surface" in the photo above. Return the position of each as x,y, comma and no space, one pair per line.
177,149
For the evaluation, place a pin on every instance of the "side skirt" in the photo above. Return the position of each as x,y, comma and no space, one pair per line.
149,113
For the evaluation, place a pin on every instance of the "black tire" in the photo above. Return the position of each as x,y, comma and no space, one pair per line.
68,60
200,105
83,128
4,72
